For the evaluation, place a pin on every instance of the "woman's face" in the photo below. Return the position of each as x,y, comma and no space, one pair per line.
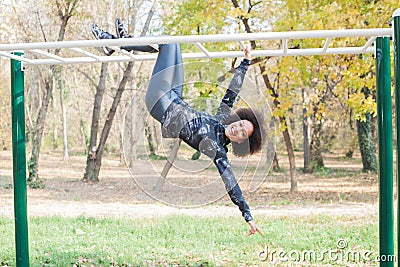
239,131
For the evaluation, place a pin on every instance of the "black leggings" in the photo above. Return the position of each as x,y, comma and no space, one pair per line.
167,78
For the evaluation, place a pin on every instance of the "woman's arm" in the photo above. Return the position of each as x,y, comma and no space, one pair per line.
210,148
247,52
233,189
234,87
231,185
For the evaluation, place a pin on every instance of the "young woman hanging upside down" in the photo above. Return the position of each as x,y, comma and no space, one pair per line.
208,134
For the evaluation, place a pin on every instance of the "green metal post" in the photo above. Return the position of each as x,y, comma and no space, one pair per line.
396,45
19,163
386,217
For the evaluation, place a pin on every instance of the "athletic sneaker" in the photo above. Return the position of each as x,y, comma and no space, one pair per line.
155,46
99,34
121,29
122,32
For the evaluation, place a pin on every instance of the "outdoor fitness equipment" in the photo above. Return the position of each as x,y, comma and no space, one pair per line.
380,37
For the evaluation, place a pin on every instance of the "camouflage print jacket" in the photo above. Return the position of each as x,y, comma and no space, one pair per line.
206,133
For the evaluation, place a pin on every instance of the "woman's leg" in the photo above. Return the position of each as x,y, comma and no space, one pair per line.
140,48
101,34
122,32
167,77
166,81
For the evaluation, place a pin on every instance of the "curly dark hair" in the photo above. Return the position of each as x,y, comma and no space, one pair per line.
255,141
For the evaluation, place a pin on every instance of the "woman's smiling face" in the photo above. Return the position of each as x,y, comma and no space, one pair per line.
239,131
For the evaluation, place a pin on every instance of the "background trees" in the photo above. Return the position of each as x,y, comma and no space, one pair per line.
322,100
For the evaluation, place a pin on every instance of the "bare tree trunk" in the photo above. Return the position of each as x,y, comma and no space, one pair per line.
285,132
149,17
275,163
33,163
316,144
367,149
366,141
132,137
85,139
150,139
316,131
274,94
306,136
91,163
170,161
130,122
292,124
95,154
292,162
157,134
150,134
136,126
64,115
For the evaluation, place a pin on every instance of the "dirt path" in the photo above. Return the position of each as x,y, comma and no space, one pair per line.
93,209
348,193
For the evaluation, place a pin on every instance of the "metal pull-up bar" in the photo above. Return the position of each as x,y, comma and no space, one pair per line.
41,49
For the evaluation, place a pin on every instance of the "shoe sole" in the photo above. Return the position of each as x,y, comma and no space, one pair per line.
95,30
155,47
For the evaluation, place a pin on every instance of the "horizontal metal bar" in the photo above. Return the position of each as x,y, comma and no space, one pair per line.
201,55
369,42
201,39
202,48
242,45
284,46
12,56
44,53
86,53
326,45
129,54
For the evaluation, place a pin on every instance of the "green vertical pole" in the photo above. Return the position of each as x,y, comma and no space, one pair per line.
396,45
19,163
383,85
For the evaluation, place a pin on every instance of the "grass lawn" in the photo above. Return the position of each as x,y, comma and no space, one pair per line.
194,241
